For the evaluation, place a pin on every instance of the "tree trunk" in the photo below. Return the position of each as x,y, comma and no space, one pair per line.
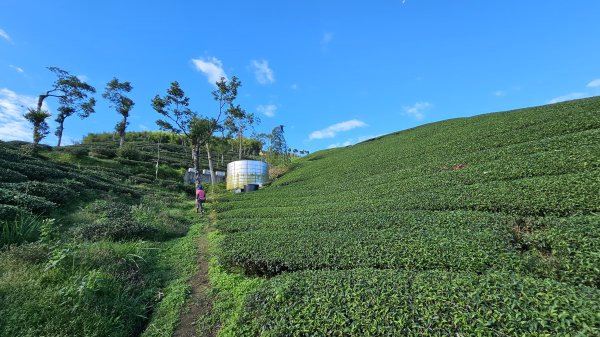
122,132
41,99
240,156
59,132
157,159
196,161
210,167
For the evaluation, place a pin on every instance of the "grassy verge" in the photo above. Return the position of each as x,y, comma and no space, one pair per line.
181,255
229,291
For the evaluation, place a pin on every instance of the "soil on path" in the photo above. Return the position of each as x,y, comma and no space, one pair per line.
199,302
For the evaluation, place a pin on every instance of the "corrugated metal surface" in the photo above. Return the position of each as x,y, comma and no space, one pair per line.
242,172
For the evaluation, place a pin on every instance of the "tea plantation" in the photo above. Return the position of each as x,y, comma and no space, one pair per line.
481,226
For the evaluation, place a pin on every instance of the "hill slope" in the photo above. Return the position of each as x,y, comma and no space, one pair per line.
485,225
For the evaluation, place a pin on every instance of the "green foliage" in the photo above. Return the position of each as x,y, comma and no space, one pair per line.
130,152
24,227
37,119
9,212
368,302
104,289
103,152
10,176
54,192
475,226
113,221
115,93
72,94
182,255
76,151
32,203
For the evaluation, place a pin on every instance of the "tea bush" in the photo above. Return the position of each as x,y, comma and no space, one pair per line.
474,226
10,176
129,151
367,302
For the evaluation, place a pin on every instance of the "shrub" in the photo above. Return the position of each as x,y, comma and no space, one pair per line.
114,221
129,151
118,229
9,212
76,151
10,176
103,152
368,302
32,203
57,193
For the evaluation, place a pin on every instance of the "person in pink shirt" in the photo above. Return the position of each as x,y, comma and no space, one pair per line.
200,199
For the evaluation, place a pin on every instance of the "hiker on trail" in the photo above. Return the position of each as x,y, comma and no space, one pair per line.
200,199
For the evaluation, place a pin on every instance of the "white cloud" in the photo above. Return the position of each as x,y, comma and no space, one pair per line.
143,127
264,74
294,86
83,78
417,110
4,35
17,69
331,131
567,97
212,67
12,107
268,110
594,83
499,93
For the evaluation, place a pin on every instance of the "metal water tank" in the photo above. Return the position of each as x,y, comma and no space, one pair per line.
243,172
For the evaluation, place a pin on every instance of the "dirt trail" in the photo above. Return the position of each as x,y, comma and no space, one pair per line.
199,303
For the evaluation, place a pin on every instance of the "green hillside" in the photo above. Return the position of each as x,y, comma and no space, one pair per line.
486,225
92,246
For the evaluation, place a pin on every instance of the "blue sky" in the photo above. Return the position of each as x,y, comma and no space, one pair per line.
333,72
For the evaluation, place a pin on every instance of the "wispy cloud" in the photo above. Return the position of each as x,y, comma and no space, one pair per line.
326,40
567,97
83,78
331,131
264,74
268,110
594,83
212,67
17,69
417,110
499,93
13,126
294,86
4,35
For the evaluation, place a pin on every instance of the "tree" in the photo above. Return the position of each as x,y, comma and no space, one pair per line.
236,121
175,106
114,92
278,144
225,94
72,94
37,118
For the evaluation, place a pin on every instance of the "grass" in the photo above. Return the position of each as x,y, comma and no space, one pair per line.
90,247
474,226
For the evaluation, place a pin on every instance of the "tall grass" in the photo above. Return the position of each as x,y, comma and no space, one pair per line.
24,228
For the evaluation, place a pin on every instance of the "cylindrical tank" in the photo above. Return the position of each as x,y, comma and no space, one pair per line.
242,172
